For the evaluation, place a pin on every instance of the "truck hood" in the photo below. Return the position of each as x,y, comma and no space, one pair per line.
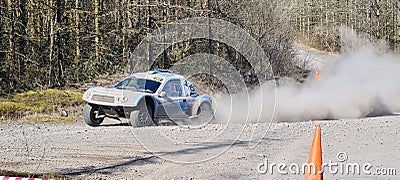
113,96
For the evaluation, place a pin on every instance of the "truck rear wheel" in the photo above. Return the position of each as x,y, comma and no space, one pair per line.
93,115
205,114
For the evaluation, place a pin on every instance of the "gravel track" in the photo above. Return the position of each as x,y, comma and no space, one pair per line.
112,151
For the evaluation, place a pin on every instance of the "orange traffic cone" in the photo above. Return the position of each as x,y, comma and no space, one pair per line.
317,75
314,166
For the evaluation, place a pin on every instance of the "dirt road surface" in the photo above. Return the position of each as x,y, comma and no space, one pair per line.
118,151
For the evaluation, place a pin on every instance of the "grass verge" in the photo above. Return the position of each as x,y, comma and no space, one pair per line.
39,106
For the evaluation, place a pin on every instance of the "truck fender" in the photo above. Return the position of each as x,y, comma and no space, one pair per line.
150,100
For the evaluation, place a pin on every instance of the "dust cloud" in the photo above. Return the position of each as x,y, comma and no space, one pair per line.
363,81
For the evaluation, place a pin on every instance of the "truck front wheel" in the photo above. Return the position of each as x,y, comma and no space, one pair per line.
93,115
141,117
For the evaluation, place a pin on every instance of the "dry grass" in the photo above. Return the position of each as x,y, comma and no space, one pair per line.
39,106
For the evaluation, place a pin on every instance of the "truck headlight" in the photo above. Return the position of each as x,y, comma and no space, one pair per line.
122,99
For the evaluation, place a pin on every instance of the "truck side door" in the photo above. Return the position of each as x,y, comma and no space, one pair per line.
174,104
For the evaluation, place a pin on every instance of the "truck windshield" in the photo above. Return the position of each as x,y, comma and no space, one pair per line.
138,84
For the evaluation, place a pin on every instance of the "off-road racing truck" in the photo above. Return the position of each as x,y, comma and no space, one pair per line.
145,98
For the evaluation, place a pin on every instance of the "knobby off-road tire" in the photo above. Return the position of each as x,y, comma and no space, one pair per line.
90,115
141,117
